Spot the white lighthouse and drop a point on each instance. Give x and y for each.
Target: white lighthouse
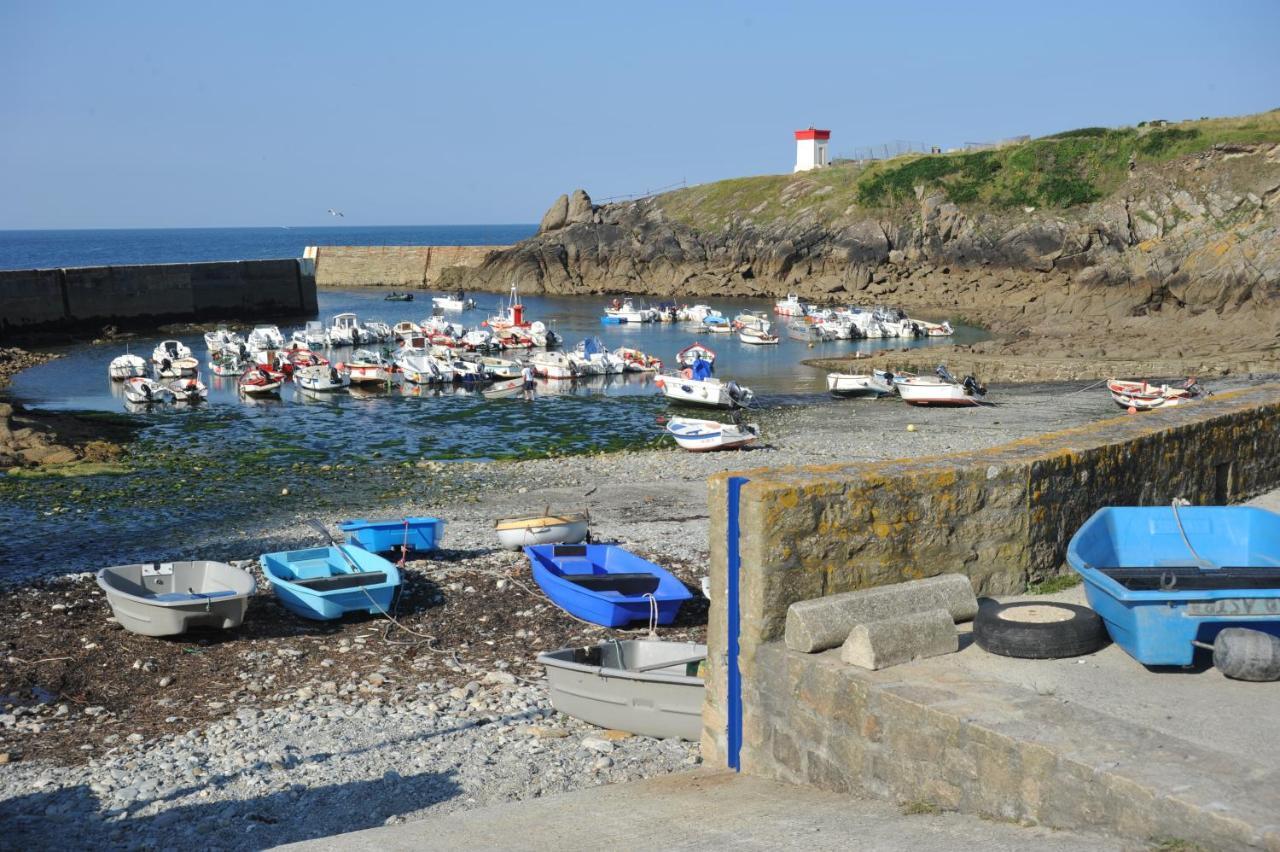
(811, 149)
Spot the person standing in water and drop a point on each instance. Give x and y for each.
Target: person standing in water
(529, 383)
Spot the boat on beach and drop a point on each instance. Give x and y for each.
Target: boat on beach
(648, 687)
(398, 535)
(701, 436)
(940, 390)
(877, 383)
(546, 528)
(171, 598)
(326, 583)
(606, 584)
(1146, 397)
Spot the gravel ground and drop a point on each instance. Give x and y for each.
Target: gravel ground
(299, 738)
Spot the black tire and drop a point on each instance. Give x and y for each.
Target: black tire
(1034, 630)
(1243, 654)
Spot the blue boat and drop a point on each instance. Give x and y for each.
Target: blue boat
(320, 584)
(605, 584)
(417, 535)
(1162, 578)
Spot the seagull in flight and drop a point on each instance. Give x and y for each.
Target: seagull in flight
(333, 212)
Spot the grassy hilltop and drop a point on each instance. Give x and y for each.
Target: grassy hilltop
(1059, 171)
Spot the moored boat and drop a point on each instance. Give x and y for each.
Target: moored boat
(940, 390)
(606, 584)
(790, 306)
(1146, 397)
(552, 365)
(456, 302)
(143, 391)
(367, 367)
(708, 391)
(126, 366)
(635, 361)
(877, 383)
(756, 336)
(546, 528)
(693, 352)
(398, 297)
(320, 378)
(189, 389)
(260, 380)
(704, 435)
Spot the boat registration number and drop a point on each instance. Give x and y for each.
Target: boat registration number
(1235, 606)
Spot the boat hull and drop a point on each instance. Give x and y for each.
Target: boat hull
(851, 385)
(937, 394)
(417, 535)
(289, 571)
(515, 533)
(170, 598)
(701, 436)
(556, 573)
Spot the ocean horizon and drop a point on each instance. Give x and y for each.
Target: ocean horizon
(54, 248)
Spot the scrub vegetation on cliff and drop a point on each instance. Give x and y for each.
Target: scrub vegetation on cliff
(1058, 171)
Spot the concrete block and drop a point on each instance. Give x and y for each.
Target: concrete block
(894, 641)
(822, 623)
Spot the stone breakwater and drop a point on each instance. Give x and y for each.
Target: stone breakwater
(1182, 262)
(406, 267)
(88, 298)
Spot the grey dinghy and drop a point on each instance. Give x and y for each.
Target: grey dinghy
(169, 598)
(646, 687)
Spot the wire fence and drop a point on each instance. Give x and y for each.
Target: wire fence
(901, 147)
(680, 184)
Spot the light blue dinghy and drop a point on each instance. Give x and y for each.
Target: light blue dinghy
(1165, 578)
(324, 583)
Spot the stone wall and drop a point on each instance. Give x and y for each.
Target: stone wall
(91, 297)
(405, 267)
(1002, 516)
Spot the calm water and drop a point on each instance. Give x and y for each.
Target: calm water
(49, 249)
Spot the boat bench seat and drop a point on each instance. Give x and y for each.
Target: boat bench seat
(172, 597)
(624, 584)
(343, 581)
(1191, 578)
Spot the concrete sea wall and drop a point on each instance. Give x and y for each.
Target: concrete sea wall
(1003, 517)
(90, 297)
(406, 267)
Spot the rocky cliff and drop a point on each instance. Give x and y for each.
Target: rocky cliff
(1185, 241)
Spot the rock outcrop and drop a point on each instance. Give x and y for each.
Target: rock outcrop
(1194, 241)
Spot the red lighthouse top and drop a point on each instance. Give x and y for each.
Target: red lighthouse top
(813, 134)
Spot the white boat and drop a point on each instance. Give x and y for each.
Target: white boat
(144, 391)
(457, 302)
(940, 390)
(697, 313)
(265, 338)
(710, 391)
(170, 350)
(512, 313)
(226, 364)
(686, 356)
(635, 361)
(377, 332)
(701, 436)
(752, 319)
(220, 338)
(171, 359)
(547, 528)
(1143, 396)
(344, 330)
(757, 337)
(313, 334)
(189, 389)
(320, 378)
(625, 310)
(552, 365)
(259, 380)
(126, 366)
(368, 368)
(501, 369)
(860, 384)
(789, 307)
(418, 366)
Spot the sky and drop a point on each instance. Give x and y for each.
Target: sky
(227, 113)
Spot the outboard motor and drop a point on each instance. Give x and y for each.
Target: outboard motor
(945, 374)
(971, 386)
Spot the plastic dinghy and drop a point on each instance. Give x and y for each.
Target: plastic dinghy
(646, 687)
(170, 598)
(605, 584)
(322, 584)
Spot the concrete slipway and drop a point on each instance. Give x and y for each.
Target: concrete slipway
(705, 810)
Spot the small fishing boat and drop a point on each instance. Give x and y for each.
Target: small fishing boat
(398, 535)
(325, 583)
(225, 364)
(757, 337)
(717, 325)
(398, 297)
(170, 598)
(1163, 578)
(376, 332)
(344, 330)
(189, 389)
(504, 388)
(709, 391)
(703, 435)
(501, 369)
(644, 686)
(260, 380)
(635, 361)
(697, 313)
(605, 584)
(694, 351)
(553, 365)
(511, 314)
(126, 367)
(320, 378)
(367, 367)
(144, 391)
(313, 334)
(457, 302)
(789, 307)
(170, 350)
(804, 332)
(940, 390)
(625, 310)
(420, 367)
(878, 383)
(265, 338)
(221, 338)
(546, 528)
(1146, 397)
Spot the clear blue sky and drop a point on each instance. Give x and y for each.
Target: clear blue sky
(266, 113)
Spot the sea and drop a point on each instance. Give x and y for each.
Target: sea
(104, 247)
